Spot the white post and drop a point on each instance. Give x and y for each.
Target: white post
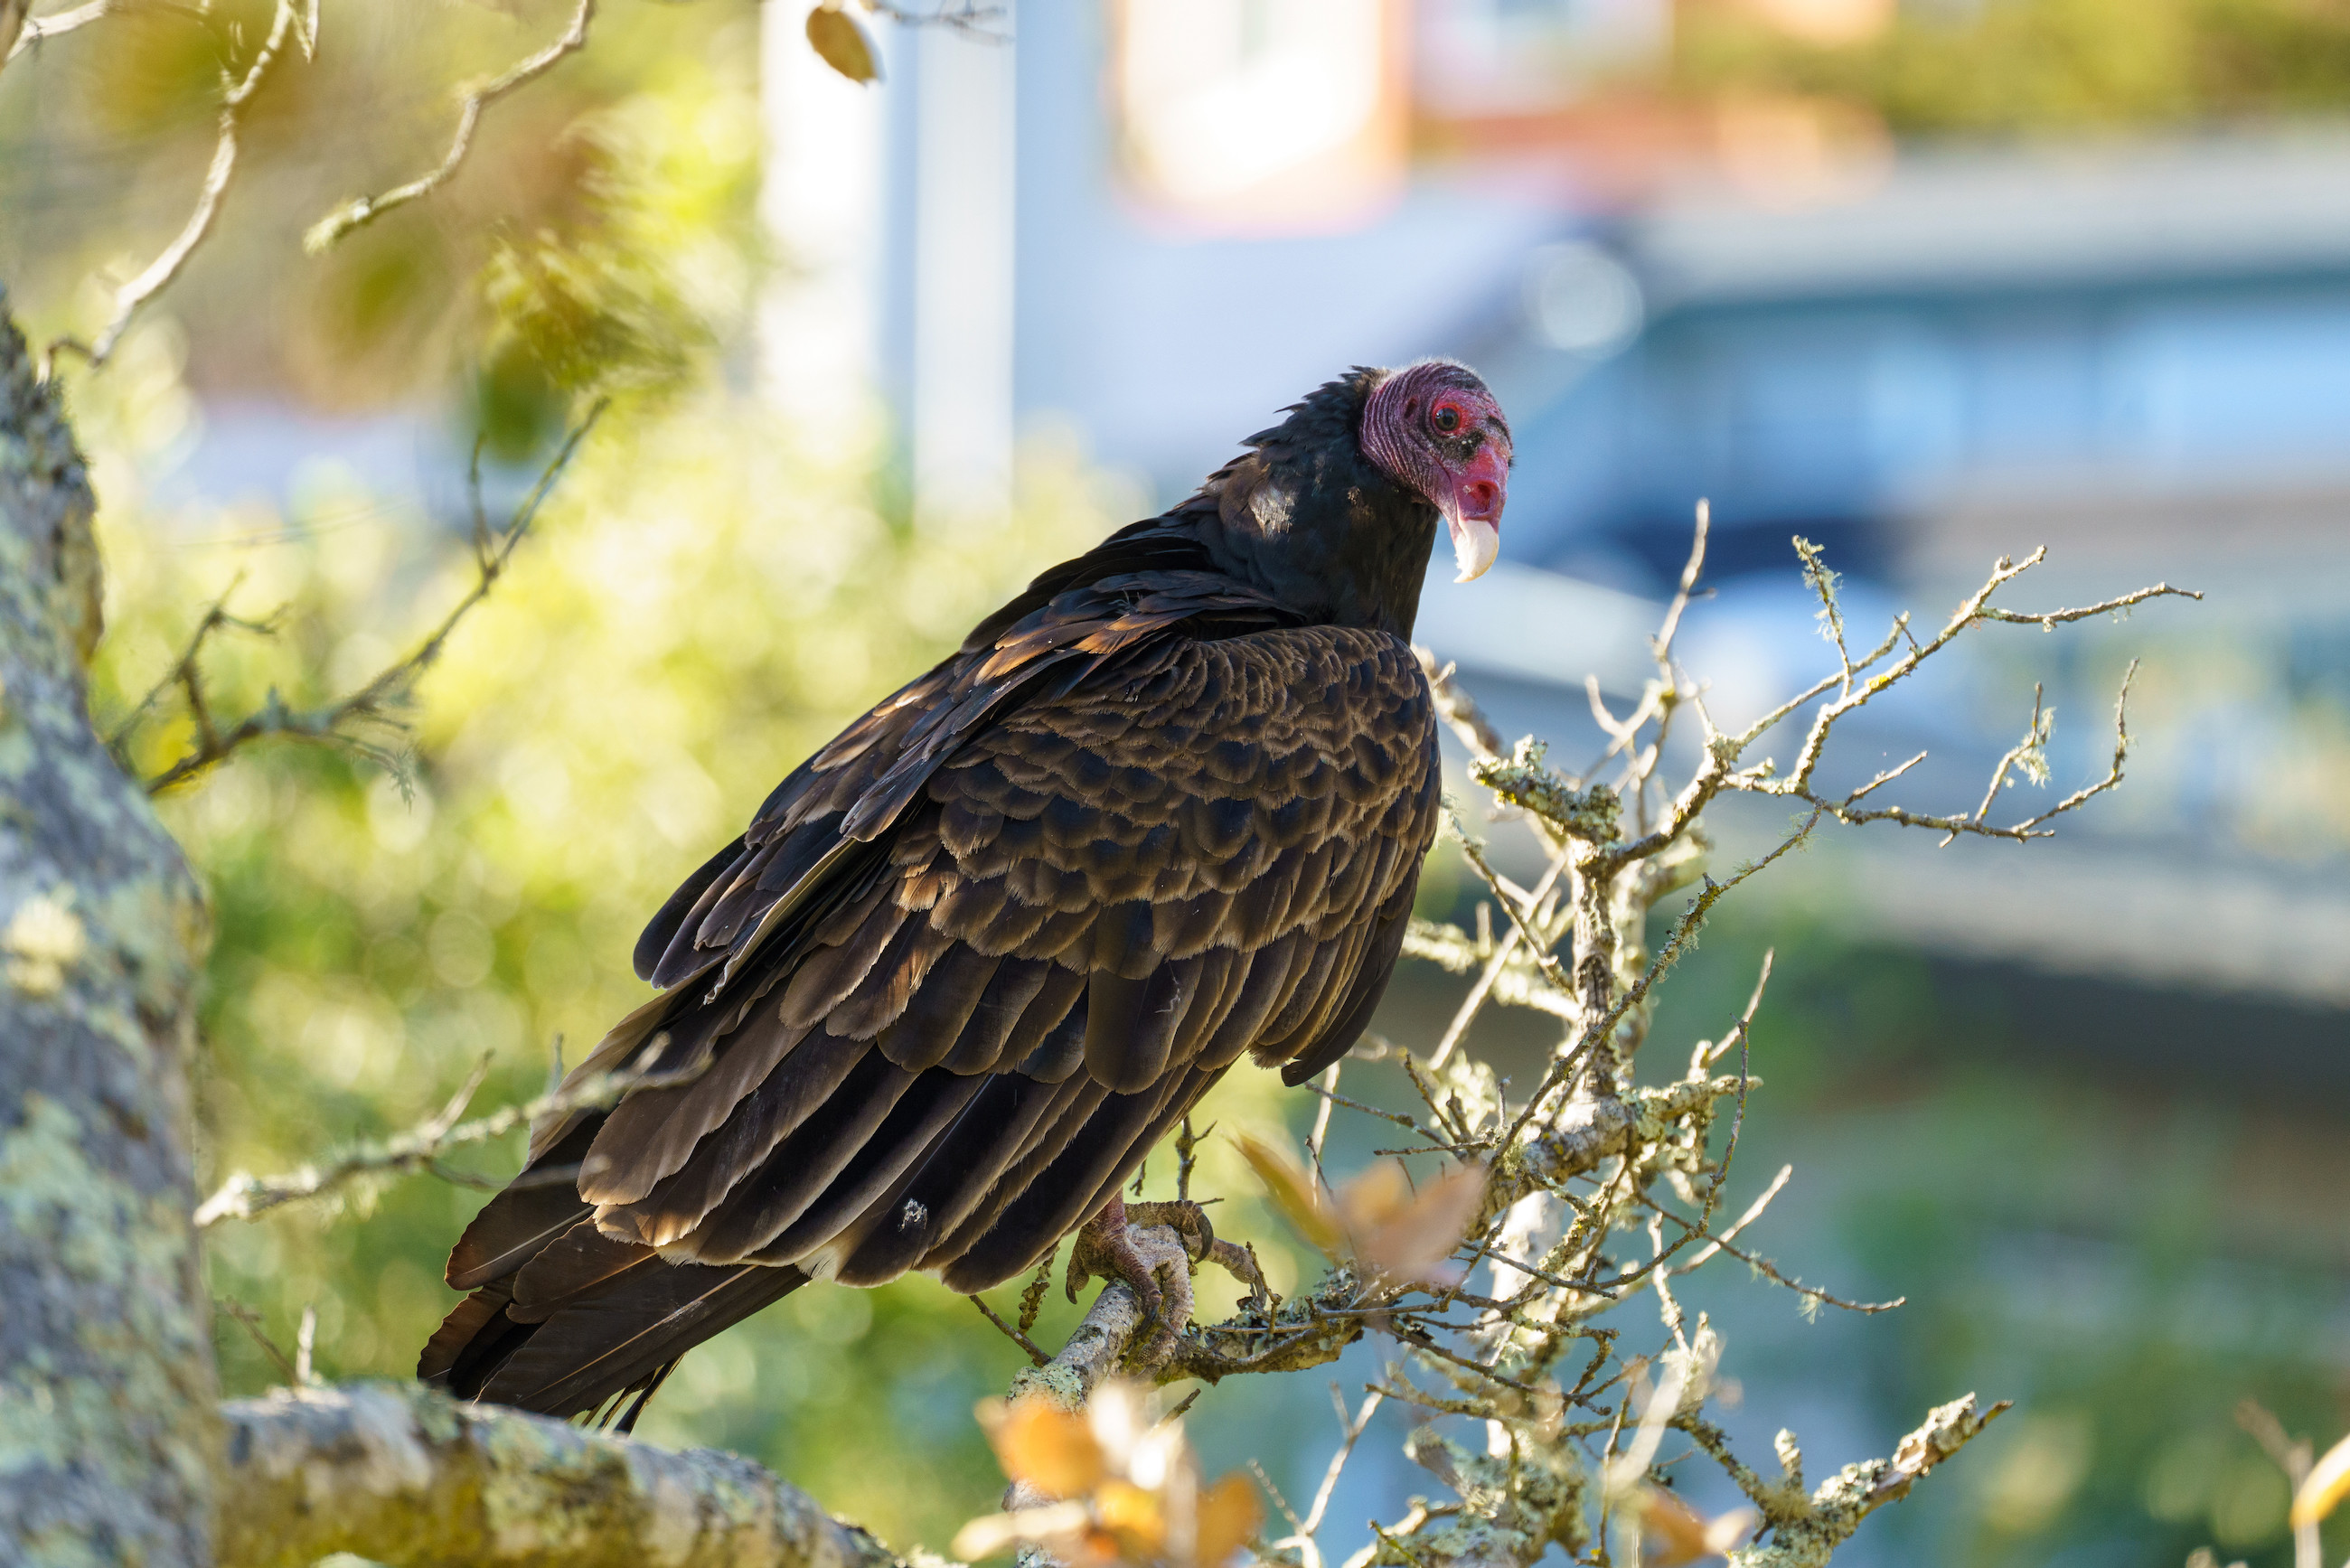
(961, 419)
(821, 201)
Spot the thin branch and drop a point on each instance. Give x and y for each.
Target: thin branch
(1765, 1266)
(1466, 1012)
(2030, 751)
(1011, 1333)
(244, 1196)
(1399, 1119)
(1459, 710)
(236, 92)
(973, 20)
(371, 702)
(33, 31)
(324, 234)
(249, 1319)
(1683, 935)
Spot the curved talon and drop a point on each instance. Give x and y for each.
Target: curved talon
(1240, 1262)
(1106, 1249)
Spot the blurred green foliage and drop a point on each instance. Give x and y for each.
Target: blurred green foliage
(2041, 66)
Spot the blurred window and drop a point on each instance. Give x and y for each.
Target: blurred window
(1261, 116)
(1480, 59)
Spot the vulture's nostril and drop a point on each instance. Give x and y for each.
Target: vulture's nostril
(1480, 500)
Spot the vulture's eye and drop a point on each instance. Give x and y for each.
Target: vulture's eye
(1447, 419)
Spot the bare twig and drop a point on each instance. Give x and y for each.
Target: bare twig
(969, 18)
(2294, 1456)
(243, 1195)
(249, 1319)
(326, 231)
(1011, 1333)
(19, 32)
(237, 93)
(1764, 1265)
(376, 700)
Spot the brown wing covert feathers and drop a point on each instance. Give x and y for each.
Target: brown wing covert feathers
(1087, 887)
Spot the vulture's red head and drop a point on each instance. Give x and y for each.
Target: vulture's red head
(1334, 511)
(1434, 429)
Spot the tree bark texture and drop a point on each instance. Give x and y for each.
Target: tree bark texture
(411, 1478)
(108, 1420)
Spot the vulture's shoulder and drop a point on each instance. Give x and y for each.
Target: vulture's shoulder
(1077, 627)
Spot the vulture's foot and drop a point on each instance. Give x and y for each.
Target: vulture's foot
(1112, 1245)
(1190, 1221)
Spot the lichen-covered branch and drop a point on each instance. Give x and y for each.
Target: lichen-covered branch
(408, 1477)
(106, 1422)
(1804, 1532)
(1589, 1154)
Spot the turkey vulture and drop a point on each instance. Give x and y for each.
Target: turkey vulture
(973, 958)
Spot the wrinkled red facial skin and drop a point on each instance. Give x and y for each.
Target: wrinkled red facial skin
(1462, 470)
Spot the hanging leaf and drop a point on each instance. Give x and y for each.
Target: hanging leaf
(842, 41)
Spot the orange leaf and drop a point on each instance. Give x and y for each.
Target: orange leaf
(1134, 1517)
(1673, 1533)
(843, 43)
(1411, 1241)
(1293, 1192)
(1038, 1442)
(1229, 1514)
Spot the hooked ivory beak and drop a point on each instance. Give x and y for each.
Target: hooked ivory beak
(1474, 511)
(1475, 543)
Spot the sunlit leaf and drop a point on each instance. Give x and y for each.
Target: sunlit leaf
(1411, 1239)
(843, 42)
(1038, 1442)
(2328, 1484)
(1293, 1192)
(1133, 1517)
(1229, 1514)
(1673, 1533)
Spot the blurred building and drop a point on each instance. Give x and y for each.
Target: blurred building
(1156, 221)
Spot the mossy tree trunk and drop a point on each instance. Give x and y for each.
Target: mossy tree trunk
(109, 1419)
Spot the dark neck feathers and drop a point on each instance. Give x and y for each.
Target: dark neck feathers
(1304, 517)
(1307, 518)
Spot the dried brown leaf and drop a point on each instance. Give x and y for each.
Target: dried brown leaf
(843, 42)
(1672, 1533)
(1411, 1240)
(1133, 1518)
(1293, 1192)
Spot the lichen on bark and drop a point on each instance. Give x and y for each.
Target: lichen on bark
(108, 1420)
(411, 1478)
